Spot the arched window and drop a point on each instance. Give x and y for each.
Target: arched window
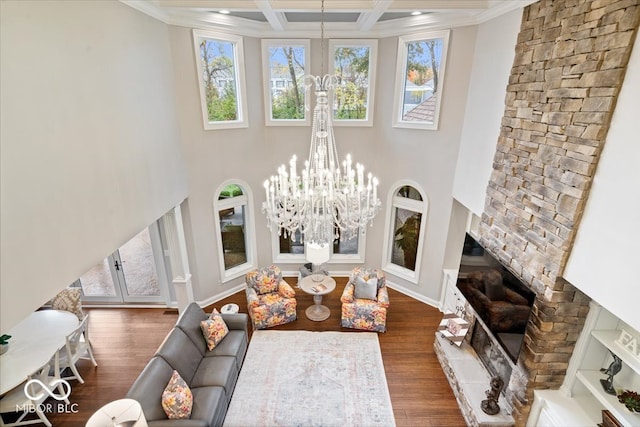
(406, 221)
(234, 225)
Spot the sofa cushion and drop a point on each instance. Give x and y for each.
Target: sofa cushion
(234, 345)
(366, 289)
(147, 388)
(214, 329)
(189, 322)
(210, 404)
(218, 371)
(177, 400)
(181, 353)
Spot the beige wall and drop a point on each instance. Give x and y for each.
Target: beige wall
(253, 154)
(90, 152)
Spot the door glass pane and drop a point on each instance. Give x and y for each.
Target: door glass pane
(405, 238)
(138, 266)
(98, 281)
(232, 226)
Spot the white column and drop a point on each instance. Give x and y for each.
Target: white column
(177, 247)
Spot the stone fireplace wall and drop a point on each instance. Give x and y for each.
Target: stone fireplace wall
(570, 62)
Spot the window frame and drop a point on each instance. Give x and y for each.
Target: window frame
(401, 72)
(239, 74)
(246, 200)
(288, 258)
(266, 78)
(372, 44)
(419, 206)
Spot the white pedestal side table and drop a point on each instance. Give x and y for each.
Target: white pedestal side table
(317, 312)
(229, 308)
(123, 412)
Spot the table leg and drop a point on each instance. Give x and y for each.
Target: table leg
(317, 312)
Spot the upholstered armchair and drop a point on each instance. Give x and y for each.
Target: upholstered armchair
(270, 299)
(365, 301)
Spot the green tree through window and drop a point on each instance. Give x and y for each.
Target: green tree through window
(218, 72)
(351, 96)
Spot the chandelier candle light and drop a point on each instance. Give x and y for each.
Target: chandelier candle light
(324, 202)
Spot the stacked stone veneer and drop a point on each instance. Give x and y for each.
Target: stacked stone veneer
(570, 62)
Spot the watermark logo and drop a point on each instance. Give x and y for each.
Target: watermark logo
(50, 390)
(46, 390)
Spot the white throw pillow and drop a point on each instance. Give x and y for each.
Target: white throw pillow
(366, 289)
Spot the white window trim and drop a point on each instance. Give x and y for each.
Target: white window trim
(401, 72)
(422, 207)
(250, 242)
(266, 78)
(373, 61)
(280, 258)
(241, 91)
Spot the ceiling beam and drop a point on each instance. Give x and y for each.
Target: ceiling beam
(369, 19)
(276, 19)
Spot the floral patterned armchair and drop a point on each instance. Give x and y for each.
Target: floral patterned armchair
(365, 300)
(270, 299)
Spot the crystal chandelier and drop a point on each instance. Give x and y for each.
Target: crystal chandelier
(325, 201)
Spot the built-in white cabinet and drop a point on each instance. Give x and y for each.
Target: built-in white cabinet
(453, 300)
(582, 398)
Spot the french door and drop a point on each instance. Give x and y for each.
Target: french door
(132, 274)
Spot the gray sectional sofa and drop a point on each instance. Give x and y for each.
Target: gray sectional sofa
(211, 375)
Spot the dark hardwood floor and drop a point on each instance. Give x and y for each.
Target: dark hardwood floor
(125, 339)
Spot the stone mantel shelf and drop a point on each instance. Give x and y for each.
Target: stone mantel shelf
(469, 381)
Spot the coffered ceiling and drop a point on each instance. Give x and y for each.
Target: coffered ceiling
(342, 18)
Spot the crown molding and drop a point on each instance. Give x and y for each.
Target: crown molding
(367, 27)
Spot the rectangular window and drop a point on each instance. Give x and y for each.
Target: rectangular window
(220, 66)
(419, 79)
(353, 62)
(285, 64)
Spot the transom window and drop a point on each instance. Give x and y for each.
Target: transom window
(419, 79)
(285, 63)
(353, 62)
(220, 66)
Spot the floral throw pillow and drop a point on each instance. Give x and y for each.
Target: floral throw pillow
(177, 399)
(214, 329)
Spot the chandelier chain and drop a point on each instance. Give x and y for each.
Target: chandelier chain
(325, 202)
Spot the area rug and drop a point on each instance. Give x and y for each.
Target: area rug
(303, 378)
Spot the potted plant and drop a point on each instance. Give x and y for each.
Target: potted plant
(406, 238)
(4, 343)
(630, 399)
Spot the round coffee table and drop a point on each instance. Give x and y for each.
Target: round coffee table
(317, 312)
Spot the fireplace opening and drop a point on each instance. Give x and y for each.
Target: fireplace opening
(490, 354)
(501, 300)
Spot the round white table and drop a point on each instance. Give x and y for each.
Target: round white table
(33, 342)
(317, 312)
(229, 308)
(122, 412)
